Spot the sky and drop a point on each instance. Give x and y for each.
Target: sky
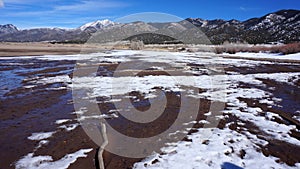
(73, 13)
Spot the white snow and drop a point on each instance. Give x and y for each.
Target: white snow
(45, 162)
(40, 136)
(295, 56)
(216, 151)
(69, 127)
(81, 111)
(273, 129)
(61, 121)
(271, 116)
(217, 84)
(41, 143)
(102, 116)
(108, 86)
(56, 79)
(97, 24)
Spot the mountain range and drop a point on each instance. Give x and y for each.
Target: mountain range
(281, 26)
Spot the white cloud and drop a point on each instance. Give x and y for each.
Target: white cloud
(1, 4)
(28, 14)
(89, 5)
(247, 9)
(26, 1)
(19, 1)
(243, 8)
(59, 14)
(79, 6)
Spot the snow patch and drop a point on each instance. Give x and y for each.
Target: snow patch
(295, 56)
(61, 121)
(40, 136)
(223, 146)
(69, 127)
(45, 162)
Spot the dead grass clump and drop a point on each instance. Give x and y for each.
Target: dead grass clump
(283, 49)
(287, 49)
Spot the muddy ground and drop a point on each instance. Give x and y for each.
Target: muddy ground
(28, 110)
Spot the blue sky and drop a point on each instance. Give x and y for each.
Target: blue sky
(73, 13)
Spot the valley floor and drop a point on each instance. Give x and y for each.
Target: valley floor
(230, 111)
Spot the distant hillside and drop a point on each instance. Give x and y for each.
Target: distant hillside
(282, 26)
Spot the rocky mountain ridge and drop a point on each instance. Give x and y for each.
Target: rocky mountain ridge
(281, 26)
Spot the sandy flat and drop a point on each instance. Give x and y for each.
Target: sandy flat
(43, 48)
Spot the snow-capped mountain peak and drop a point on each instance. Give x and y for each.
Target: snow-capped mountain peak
(99, 24)
(8, 28)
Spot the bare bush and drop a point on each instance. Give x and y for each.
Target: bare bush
(234, 48)
(288, 49)
(220, 50)
(137, 45)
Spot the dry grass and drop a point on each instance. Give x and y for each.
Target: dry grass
(283, 49)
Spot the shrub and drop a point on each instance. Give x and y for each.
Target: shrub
(290, 48)
(231, 50)
(137, 45)
(219, 50)
(283, 49)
